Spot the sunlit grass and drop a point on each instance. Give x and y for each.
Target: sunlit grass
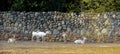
(79, 49)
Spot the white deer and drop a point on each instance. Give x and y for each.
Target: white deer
(12, 40)
(39, 34)
(79, 41)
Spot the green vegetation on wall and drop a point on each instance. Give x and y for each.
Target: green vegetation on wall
(61, 5)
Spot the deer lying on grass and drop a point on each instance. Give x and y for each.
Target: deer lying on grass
(79, 41)
(12, 40)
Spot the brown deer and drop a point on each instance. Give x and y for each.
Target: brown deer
(64, 35)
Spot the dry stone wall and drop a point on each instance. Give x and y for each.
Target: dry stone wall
(82, 24)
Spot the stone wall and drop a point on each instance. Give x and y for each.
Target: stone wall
(83, 24)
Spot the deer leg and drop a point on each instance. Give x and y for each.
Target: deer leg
(37, 39)
(32, 38)
(42, 39)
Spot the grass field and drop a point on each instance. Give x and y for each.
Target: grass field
(28, 47)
